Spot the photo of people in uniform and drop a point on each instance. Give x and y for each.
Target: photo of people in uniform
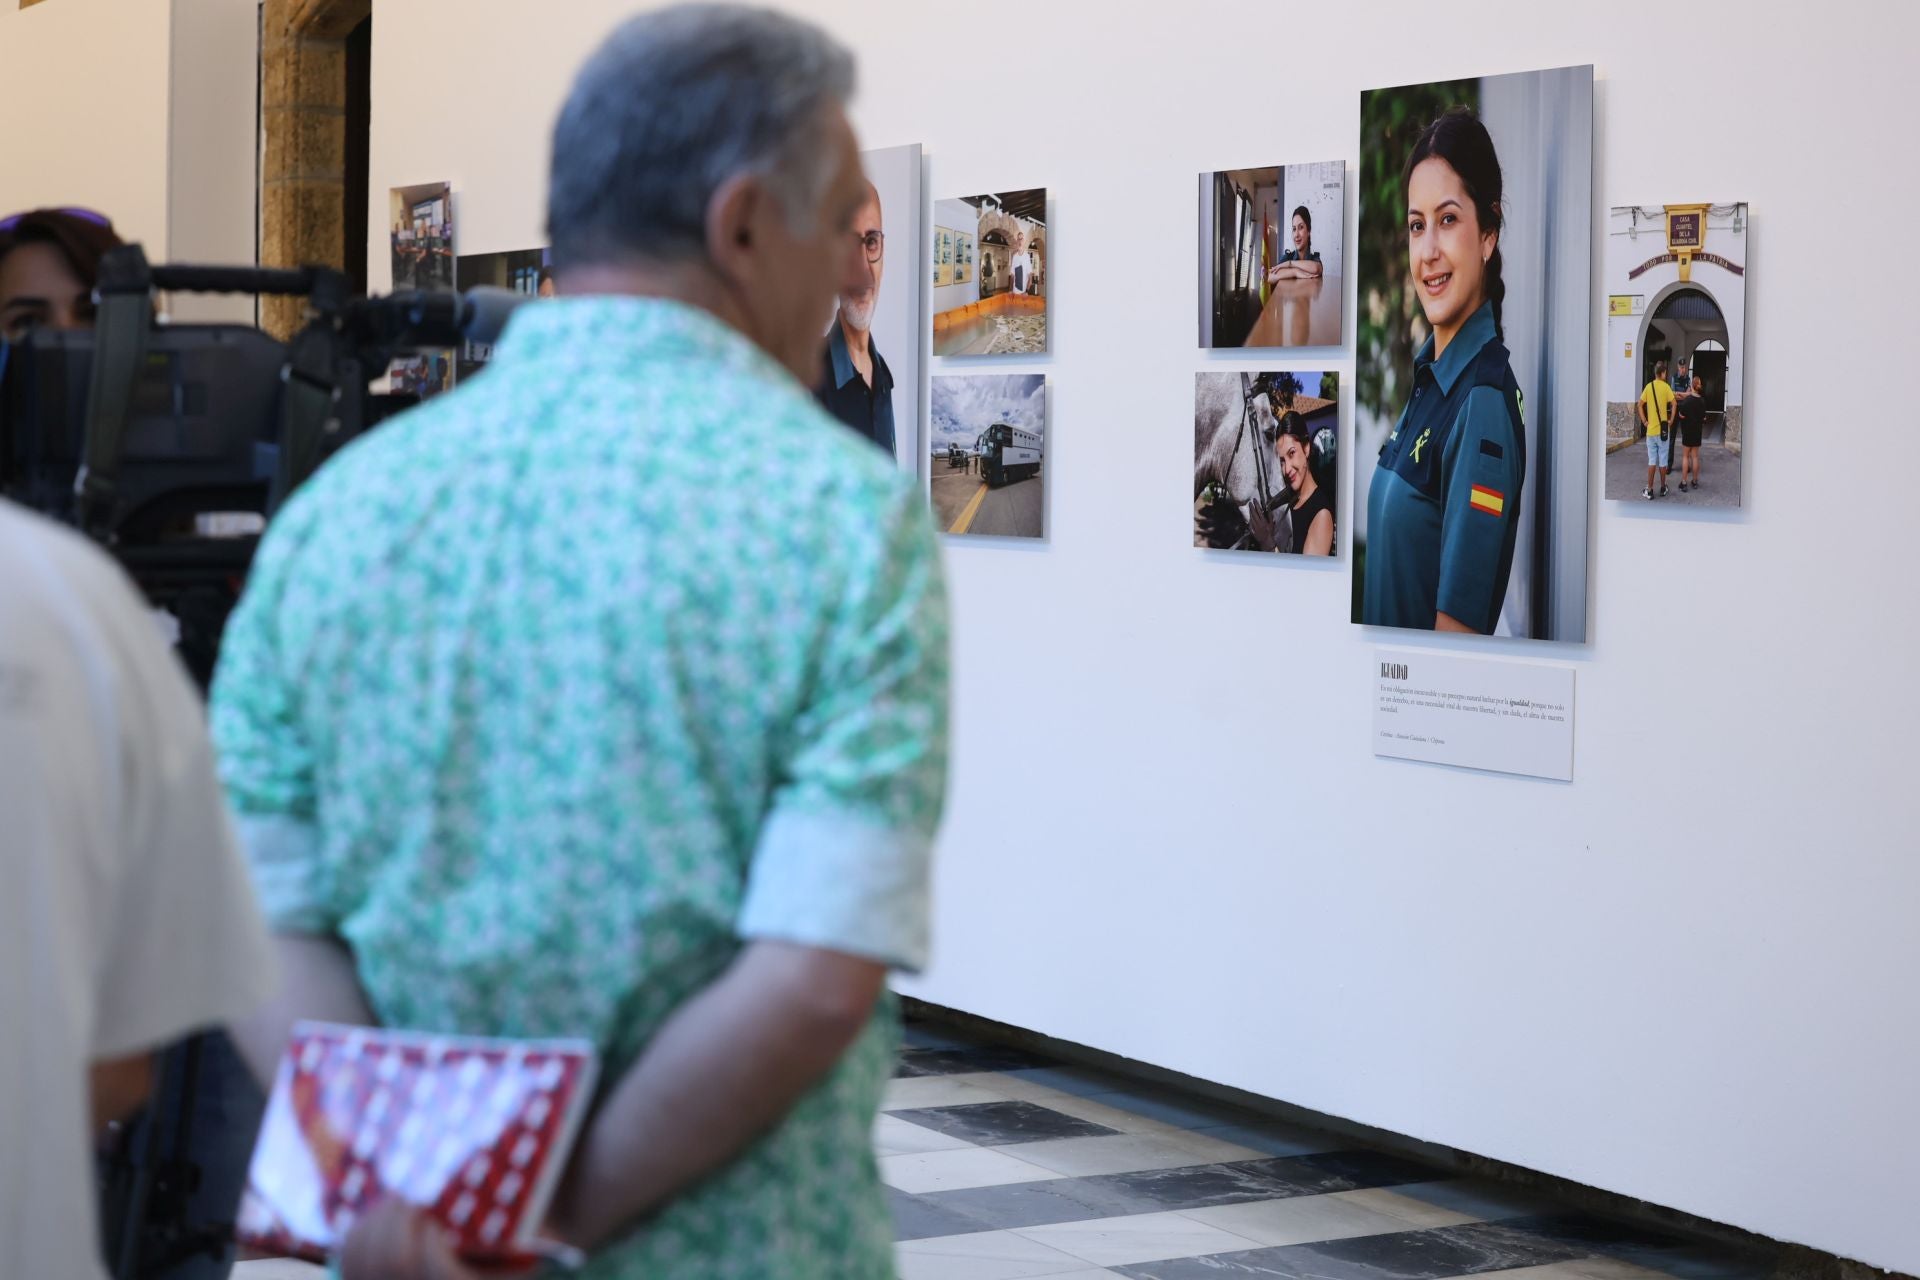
(989, 444)
(1471, 417)
(1676, 318)
(1265, 449)
(524, 271)
(1271, 256)
(422, 236)
(1000, 308)
(870, 369)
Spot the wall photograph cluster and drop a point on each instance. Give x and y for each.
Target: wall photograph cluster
(992, 258)
(1468, 407)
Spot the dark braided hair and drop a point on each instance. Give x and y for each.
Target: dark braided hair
(1292, 424)
(1459, 138)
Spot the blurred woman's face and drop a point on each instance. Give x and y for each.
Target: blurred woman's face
(38, 288)
(1301, 234)
(1447, 251)
(1293, 463)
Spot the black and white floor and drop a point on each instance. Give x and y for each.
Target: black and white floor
(1002, 1167)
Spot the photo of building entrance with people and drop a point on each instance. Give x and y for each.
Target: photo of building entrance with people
(1677, 297)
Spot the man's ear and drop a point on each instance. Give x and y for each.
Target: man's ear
(734, 216)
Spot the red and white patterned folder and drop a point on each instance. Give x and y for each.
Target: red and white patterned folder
(475, 1131)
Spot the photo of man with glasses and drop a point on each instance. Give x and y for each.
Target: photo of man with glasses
(856, 386)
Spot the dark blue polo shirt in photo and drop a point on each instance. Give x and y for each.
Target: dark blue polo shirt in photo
(1444, 506)
(845, 395)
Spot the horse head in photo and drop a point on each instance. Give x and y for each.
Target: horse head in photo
(1235, 422)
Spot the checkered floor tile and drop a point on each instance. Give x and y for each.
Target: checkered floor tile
(1002, 1165)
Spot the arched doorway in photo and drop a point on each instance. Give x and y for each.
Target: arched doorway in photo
(995, 252)
(1686, 327)
(1687, 324)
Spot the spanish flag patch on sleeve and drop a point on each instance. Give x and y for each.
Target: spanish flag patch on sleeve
(1491, 501)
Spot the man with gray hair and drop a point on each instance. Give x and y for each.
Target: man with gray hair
(607, 696)
(855, 385)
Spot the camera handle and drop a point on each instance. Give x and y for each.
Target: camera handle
(120, 347)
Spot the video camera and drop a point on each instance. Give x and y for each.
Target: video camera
(173, 445)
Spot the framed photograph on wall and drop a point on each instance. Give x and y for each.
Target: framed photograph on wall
(989, 438)
(421, 218)
(1002, 308)
(1471, 423)
(421, 239)
(1266, 449)
(1675, 355)
(870, 376)
(1272, 255)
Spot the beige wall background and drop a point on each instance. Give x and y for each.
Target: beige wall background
(144, 111)
(96, 77)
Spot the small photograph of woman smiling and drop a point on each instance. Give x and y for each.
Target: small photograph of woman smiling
(1271, 255)
(1265, 453)
(1472, 412)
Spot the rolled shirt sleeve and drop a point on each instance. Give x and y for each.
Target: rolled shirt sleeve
(843, 857)
(1482, 501)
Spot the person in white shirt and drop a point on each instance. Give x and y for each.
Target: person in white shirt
(1022, 264)
(129, 919)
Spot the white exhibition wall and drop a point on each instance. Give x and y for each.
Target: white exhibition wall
(1687, 975)
(145, 111)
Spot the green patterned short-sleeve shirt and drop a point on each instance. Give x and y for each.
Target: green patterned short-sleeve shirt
(548, 696)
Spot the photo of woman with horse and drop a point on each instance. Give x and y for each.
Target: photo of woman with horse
(1263, 461)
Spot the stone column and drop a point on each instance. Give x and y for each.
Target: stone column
(303, 69)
